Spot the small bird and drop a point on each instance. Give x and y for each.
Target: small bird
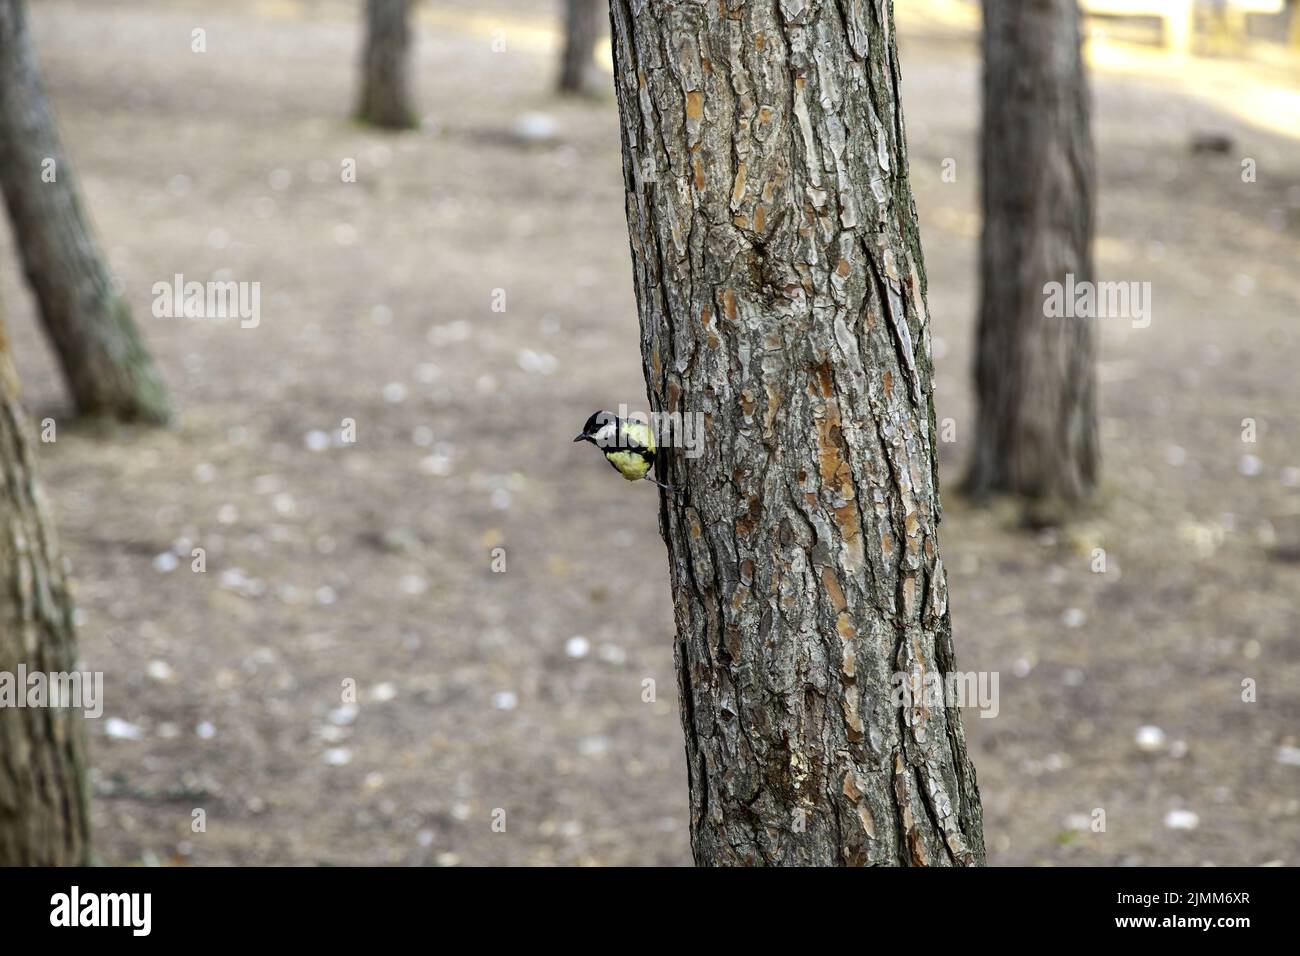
(629, 446)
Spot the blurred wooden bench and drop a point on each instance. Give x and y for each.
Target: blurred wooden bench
(1179, 16)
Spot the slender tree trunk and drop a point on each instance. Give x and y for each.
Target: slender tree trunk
(43, 815)
(781, 291)
(385, 66)
(582, 20)
(108, 369)
(1035, 372)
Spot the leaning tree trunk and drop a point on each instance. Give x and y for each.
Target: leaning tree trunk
(108, 369)
(43, 815)
(1035, 371)
(385, 88)
(582, 20)
(781, 291)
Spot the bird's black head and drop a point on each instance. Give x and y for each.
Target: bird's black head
(592, 430)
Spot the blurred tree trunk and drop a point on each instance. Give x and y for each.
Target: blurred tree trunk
(108, 369)
(385, 87)
(781, 292)
(1035, 375)
(43, 813)
(582, 20)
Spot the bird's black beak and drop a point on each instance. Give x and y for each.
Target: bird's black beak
(580, 438)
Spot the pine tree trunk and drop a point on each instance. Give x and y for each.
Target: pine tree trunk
(582, 20)
(43, 813)
(1035, 375)
(385, 66)
(108, 369)
(781, 292)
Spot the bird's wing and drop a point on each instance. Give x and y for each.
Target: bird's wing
(638, 435)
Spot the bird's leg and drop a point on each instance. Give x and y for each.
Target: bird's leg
(671, 488)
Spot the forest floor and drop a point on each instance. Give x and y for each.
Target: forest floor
(522, 691)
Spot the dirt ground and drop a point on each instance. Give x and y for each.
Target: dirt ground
(522, 691)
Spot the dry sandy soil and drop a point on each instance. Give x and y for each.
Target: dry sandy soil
(522, 690)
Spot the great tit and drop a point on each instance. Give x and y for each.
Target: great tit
(629, 446)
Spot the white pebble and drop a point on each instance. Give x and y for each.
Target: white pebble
(1150, 738)
(538, 363)
(1288, 755)
(343, 715)
(535, 127)
(338, 756)
(1181, 820)
(159, 670)
(120, 729)
(439, 463)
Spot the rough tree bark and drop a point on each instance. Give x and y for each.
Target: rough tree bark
(385, 87)
(582, 20)
(43, 812)
(781, 292)
(108, 369)
(1035, 375)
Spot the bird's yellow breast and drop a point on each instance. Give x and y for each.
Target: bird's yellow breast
(630, 464)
